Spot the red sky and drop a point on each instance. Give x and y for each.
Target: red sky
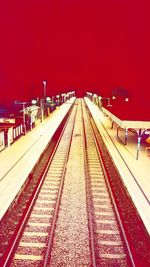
(74, 45)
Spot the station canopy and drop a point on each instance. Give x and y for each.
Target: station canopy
(127, 121)
(129, 115)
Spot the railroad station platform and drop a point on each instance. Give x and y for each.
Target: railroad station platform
(135, 173)
(18, 160)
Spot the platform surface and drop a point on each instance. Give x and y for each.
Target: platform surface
(18, 160)
(135, 173)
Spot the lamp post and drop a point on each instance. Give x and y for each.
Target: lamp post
(107, 98)
(124, 98)
(62, 100)
(41, 107)
(24, 120)
(44, 84)
(42, 101)
(52, 103)
(58, 96)
(48, 99)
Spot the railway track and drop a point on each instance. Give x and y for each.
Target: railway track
(72, 219)
(109, 246)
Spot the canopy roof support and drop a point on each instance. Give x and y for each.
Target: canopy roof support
(138, 143)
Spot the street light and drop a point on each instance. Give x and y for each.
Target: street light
(48, 99)
(44, 83)
(52, 103)
(41, 107)
(33, 101)
(107, 98)
(24, 120)
(58, 96)
(62, 100)
(124, 98)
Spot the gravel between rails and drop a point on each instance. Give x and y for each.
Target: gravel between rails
(71, 241)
